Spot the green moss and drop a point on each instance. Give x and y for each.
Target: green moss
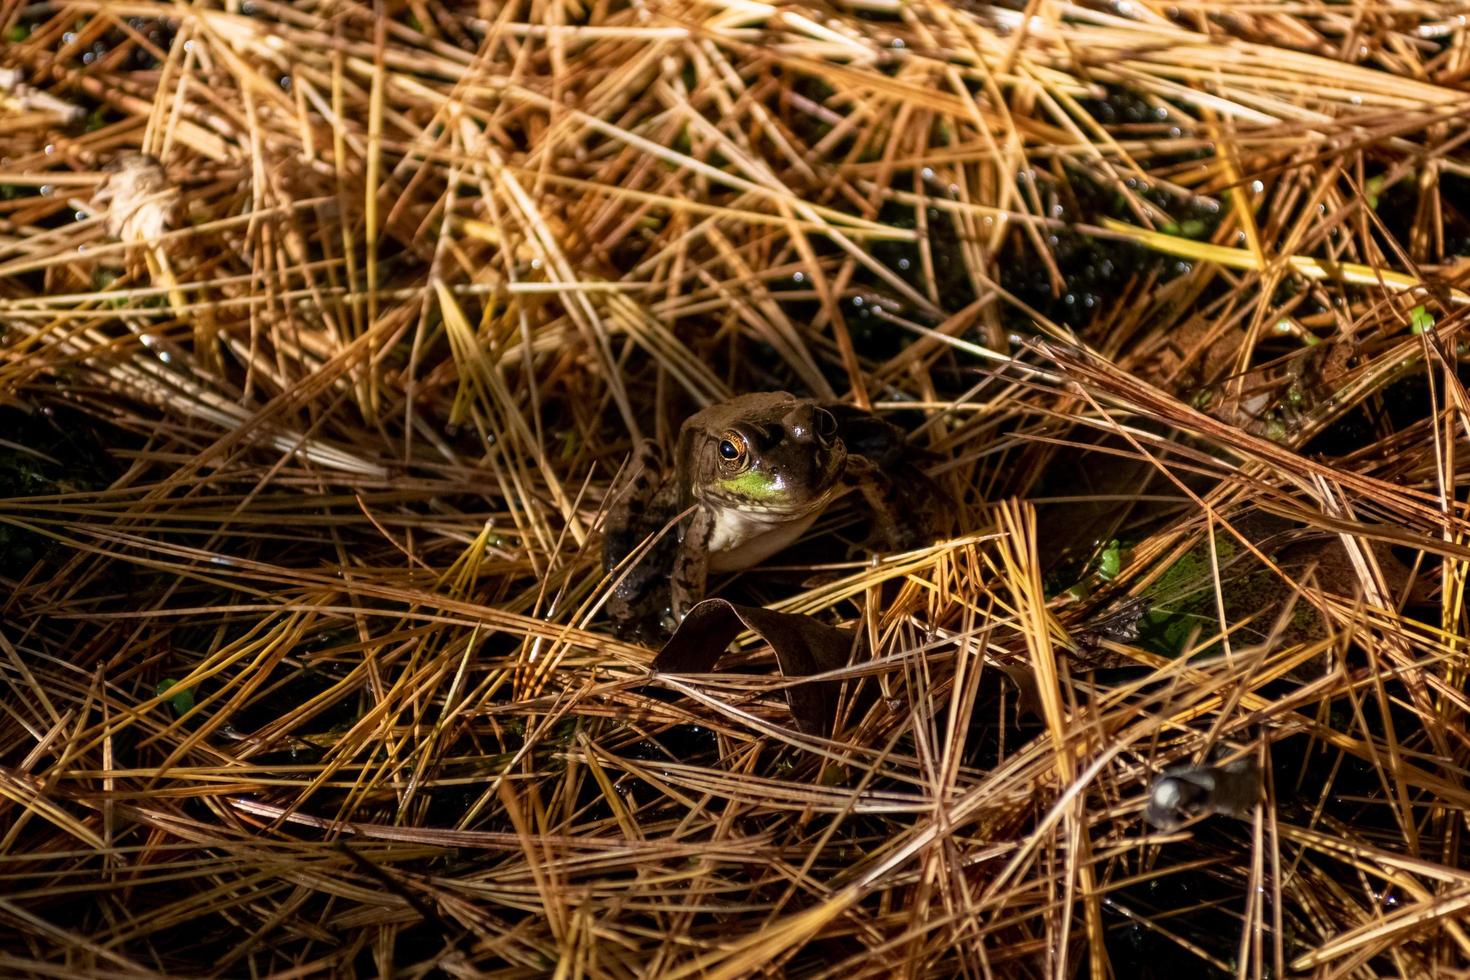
(182, 699)
(1184, 598)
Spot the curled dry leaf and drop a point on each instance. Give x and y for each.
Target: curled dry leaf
(803, 647)
(140, 202)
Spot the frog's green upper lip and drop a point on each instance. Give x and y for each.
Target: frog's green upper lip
(785, 503)
(783, 507)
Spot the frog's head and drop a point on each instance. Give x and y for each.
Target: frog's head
(768, 452)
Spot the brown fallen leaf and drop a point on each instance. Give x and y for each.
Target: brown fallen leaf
(803, 647)
(142, 204)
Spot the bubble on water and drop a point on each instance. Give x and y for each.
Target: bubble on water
(898, 42)
(904, 264)
(68, 37)
(798, 277)
(857, 301)
(927, 173)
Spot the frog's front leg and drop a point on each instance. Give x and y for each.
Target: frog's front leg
(899, 530)
(644, 502)
(691, 566)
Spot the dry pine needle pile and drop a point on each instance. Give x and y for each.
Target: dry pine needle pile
(326, 326)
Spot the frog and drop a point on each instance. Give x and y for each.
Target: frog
(750, 476)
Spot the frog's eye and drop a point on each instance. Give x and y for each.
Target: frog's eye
(826, 426)
(732, 447)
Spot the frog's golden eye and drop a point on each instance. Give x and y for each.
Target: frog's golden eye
(732, 447)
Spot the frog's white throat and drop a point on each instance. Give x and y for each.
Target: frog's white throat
(743, 538)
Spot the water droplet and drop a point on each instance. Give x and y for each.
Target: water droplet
(898, 42)
(188, 45)
(79, 216)
(165, 356)
(68, 37)
(535, 263)
(50, 148)
(1257, 186)
(285, 83)
(927, 173)
(47, 190)
(857, 301)
(904, 264)
(88, 58)
(148, 339)
(798, 277)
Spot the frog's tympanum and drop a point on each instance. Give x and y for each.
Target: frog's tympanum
(750, 476)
